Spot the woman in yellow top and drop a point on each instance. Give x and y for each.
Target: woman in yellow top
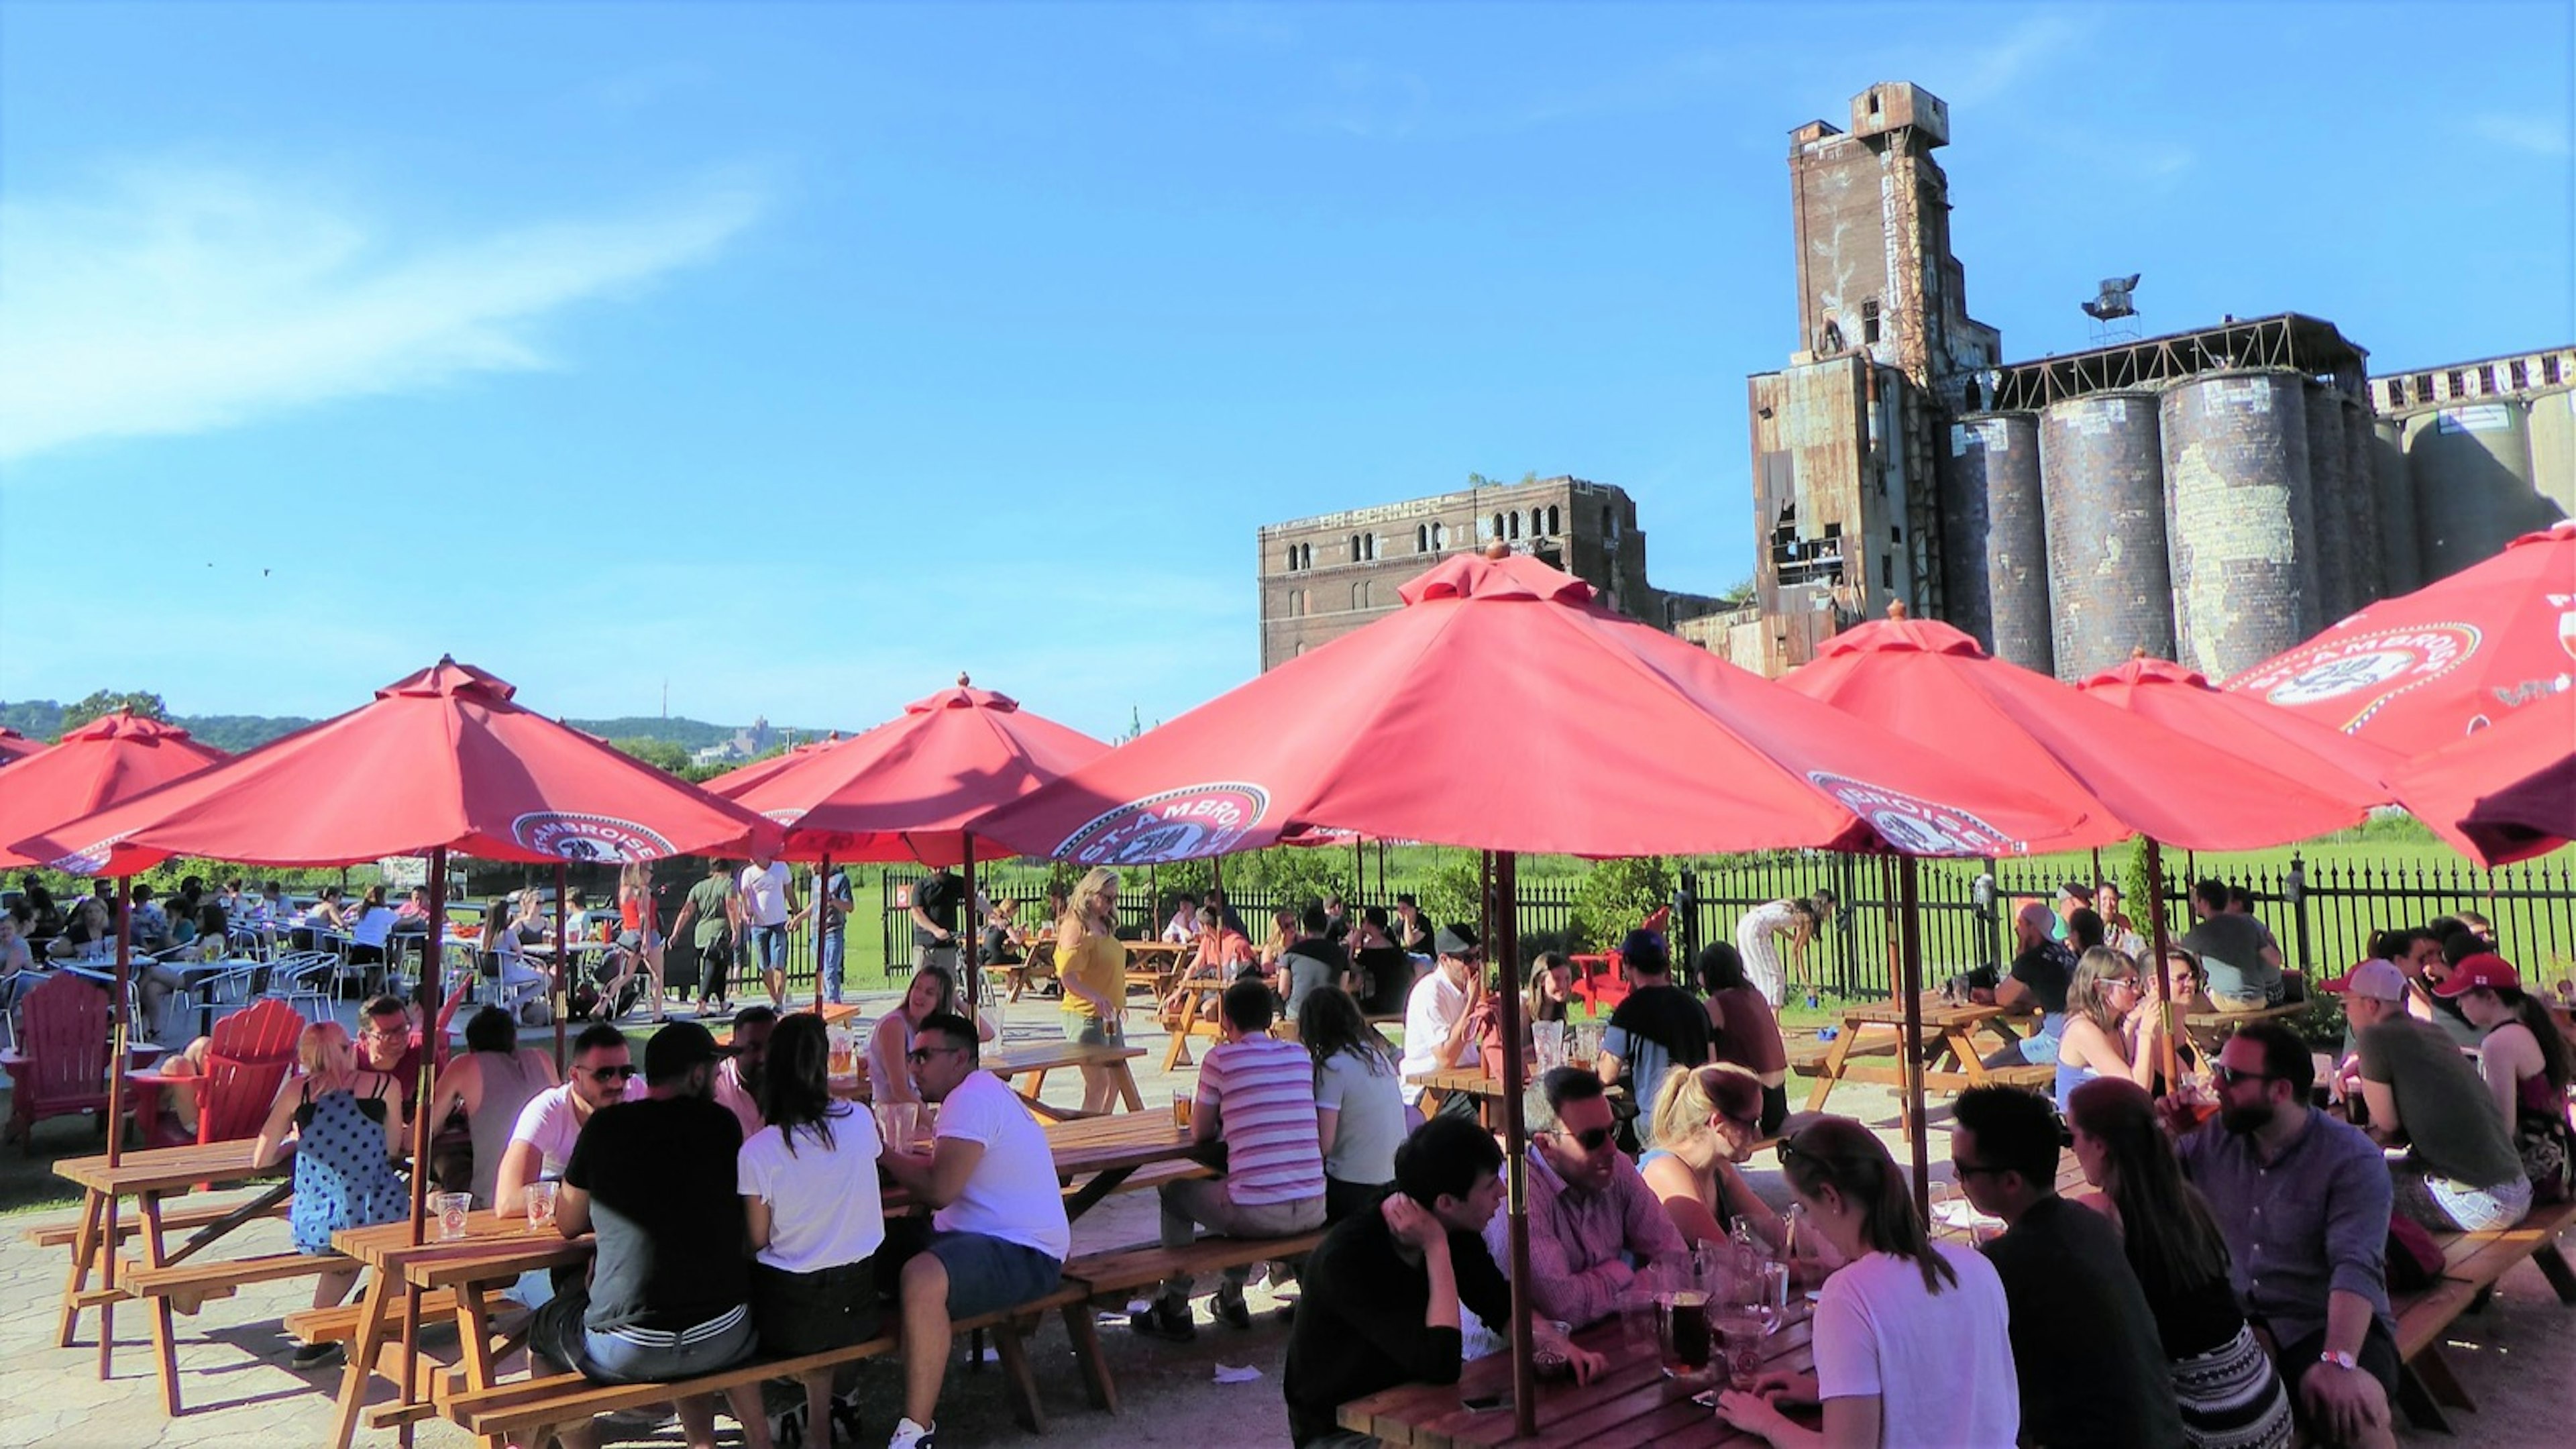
(1091, 962)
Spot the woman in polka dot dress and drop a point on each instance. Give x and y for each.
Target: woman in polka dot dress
(346, 1123)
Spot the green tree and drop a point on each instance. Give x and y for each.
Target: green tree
(1616, 895)
(667, 755)
(108, 701)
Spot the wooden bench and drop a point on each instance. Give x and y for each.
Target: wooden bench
(526, 1411)
(340, 1325)
(65, 1232)
(1807, 1055)
(1123, 1270)
(2472, 1264)
(187, 1286)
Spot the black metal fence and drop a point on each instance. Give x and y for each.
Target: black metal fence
(2324, 914)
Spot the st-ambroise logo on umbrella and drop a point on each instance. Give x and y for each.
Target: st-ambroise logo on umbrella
(574, 835)
(89, 859)
(1182, 824)
(1913, 824)
(2377, 666)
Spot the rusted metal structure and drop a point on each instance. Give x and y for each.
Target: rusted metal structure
(2242, 537)
(1994, 531)
(2294, 343)
(2101, 468)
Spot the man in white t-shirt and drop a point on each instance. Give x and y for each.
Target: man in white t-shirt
(768, 900)
(603, 1072)
(1436, 1031)
(999, 1234)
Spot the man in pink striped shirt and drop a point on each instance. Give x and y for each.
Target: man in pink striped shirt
(1257, 1096)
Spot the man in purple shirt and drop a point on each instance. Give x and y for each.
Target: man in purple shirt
(2303, 1200)
(1593, 1222)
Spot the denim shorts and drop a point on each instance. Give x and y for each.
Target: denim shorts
(769, 947)
(988, 1273)
(1094, 1030)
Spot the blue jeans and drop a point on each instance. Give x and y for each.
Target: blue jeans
(769, 947)
(833, 944)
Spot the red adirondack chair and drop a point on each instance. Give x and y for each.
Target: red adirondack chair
(248, 1056)
(1601, 980)
(60, 1064)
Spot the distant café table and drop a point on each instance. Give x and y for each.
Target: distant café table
(1629, 1403)
(1953, 1055)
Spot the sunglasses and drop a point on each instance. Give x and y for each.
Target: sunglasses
(919, 1055)
(2227, 1076)
(1591, 1139)
(611, 1074)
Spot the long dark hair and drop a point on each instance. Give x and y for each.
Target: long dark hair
(1329, 1023)
(2535, 1018)
(1721, 968)
(2172, 1239)
(796, 1085)
(1842, 1152)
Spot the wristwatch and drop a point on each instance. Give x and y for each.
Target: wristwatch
(2339, 1360)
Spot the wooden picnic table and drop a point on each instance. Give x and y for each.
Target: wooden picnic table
(1036, 1059)
(472, 1272)
(150, 1176)
(1629, 1404)
(1951, 1057)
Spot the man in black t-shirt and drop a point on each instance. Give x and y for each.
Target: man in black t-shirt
(1657, 1027)
(670, 1287)
(2089, 1359)
(2041, 971)
(1383, 1290)
(935, 899)
(1313, 961)
(1413, 929)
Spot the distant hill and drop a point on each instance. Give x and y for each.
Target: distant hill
(42, 719)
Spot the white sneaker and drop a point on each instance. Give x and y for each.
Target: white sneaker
(909, 1435)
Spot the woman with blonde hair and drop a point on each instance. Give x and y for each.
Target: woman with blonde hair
(639, 936)
(1091, 963)
(1706, 1122)
(347, 1124)
(2105, 1034)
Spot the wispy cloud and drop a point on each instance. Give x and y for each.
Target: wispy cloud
(180, 302)
(2535, 133)
(1982, 72)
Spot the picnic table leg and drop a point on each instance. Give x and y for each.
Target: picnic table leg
(84, 1257)
(1832, 1070)
(1963, 1045)
(373, 1315)
(1127, 1092)
(147, 1210)
(474, 1341)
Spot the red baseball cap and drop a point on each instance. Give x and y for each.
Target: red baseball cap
(2485, 969)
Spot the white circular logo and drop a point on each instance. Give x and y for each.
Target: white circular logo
(1913, 824)
(573, 835)
(1182, 824)
(2367, 669)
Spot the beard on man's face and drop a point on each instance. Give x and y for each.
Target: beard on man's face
(2248, 1119)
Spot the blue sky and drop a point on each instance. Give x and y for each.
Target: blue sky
(804, 355)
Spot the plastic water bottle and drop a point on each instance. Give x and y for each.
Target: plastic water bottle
(1793, 1230)
(1748, 1252)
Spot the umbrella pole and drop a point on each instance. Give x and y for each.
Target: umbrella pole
(2164, 972)
(971, 975)
(116, 1049)
(1504, 939)
(822, 921)
(563, 965)
(1911, 928)
(433, 957)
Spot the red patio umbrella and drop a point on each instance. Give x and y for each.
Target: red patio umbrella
(1503, 710)
(2415, 673)
(908, 789)
(2506, 793)
(1921, 675)
(734, 781)
(114, 757)
(2183, 700)
(442, 760)
(15, 746)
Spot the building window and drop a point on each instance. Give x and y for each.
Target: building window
(2549, 370)
(1422, 538)
(1605, 522)
(1895, 534)
(1498, 525)
(2486, 379)
(1555, 520)
(1869, 321)
(1975, 398)
(1360, 594)
(2520, 372)
(1516, 523)
(1439, 537)
(2459, 384)
(1292, 557)
(2397, 392)
(2423, 387)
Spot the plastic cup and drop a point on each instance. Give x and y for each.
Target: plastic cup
(925, 1122)
(451, 1208)
(1739, 1339)
(541, 1205)
(897, 1120)
(1180, 1109)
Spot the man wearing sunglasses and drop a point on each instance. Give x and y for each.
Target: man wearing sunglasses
(998, 1233)
(1593, 1222)
(1440, 1017)
(2303, 1200)
(603, 1071)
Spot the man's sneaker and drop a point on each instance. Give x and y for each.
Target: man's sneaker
(1228, 1307)
(315, 1355)
(787, 1428)
(1165, 1320)
(845, 1416)
(909, 1435)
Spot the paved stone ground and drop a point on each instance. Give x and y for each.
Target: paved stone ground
(2518, 1357)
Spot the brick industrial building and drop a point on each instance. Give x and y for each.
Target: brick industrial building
(1324, 576)
(2215, 495)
